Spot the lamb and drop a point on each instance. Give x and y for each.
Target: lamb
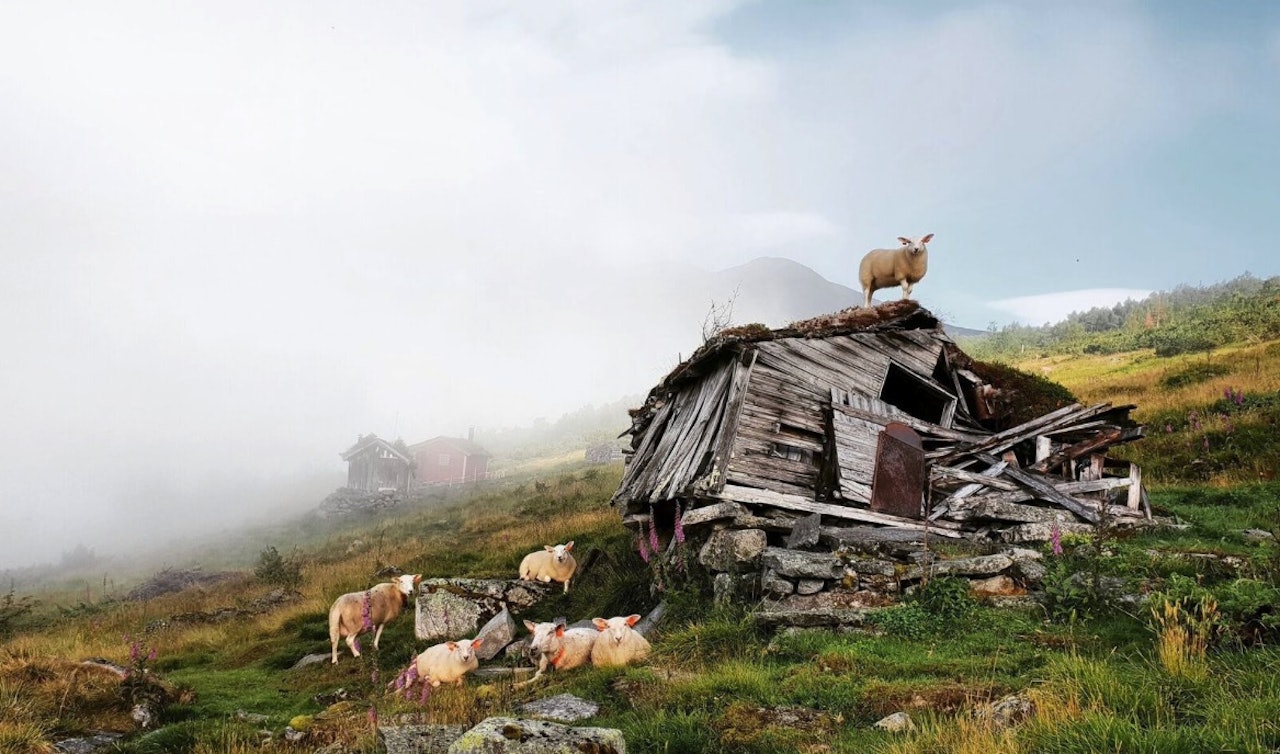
(618, 643)
(885, 268)
(550, 564)
(448, 662)
(354, 613)
(561, 648)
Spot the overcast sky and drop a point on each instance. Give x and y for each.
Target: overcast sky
(237, 234)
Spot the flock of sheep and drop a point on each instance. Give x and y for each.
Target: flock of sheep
(610, 643)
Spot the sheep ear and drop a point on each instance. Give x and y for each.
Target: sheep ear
(530, 625)
(559, 630)
(417, 579)
(475, 643)
(601, 623)
(452, 645)
(569, 546)
(633, 619)
(927, 238)
(904, 240)
(548, 548)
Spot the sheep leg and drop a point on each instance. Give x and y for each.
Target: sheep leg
(377, 635)
(906, 289)
(867, 296)
(542, 667)
(351, 642)
(544, 579)
(335, 651)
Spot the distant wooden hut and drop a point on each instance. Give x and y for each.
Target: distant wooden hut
(375, 465)
(449, 460)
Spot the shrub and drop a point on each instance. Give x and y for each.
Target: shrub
(273, 568)
(12, 608)
(1194, 374)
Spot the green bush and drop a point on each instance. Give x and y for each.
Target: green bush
(1194, 374)
(277, 570)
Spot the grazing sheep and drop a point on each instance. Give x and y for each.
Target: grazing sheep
(448, 662)
(353, 614)
(561, 648)
(550, 564)
(885, 268)
(618, 643)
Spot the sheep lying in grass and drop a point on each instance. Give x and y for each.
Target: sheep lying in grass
(448, 662)
(561, 648)
(357, 612)
(618, 643)
(885, 268)
(550, 564)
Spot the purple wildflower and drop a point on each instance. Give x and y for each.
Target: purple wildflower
(426, 693)
(641, 545)
(355, 644)
(1055, 539)
(373, 677)
(653, 535)
(373, 716)
(366, 610)
(152, 654)
(1168, 429)
(135, 651)
(679, 526)
(1206, 442)
(1239, 397)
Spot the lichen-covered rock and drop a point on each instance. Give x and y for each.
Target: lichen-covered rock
(803, 565)
(444, 616)
(996, 586)
(419, 739)
(809, 586)
(735, 587)
(896, 723)
(805, 532)
(733, 550)
(508, 735)
(563, 708)
(496, 635)
(774, 585)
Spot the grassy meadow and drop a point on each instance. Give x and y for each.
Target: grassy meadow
(1164, 641)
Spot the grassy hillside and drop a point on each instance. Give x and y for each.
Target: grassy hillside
(1161, 642)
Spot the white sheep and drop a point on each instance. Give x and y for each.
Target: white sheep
(618, 643)
(448, 662)
(354, 613)
(550, 564)
(558, 647)
(885, 268)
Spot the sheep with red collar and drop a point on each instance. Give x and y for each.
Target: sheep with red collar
(558, 647)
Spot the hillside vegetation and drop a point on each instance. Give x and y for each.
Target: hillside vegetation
(1201, 364)
(1162, 641)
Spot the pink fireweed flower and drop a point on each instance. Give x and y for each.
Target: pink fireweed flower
(1055, 539)
(1206, 443)
(373, 716)
(679, 526)
(135, 651)
(653, 535)
(426, 693)
(366, 610)
(152, 654)
(641, 546)
(356, 644)
(1168, 429)
(373, 677)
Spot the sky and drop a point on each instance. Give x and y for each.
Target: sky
(235, 235)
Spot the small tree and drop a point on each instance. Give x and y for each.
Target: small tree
(274, 568)
(13, 607)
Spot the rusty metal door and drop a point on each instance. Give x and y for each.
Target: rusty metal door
(897, 482)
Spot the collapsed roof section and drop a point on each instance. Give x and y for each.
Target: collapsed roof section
(870, 416)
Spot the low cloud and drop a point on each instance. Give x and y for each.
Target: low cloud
(1047, 308)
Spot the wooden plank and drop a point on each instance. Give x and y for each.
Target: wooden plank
(1044, 447)
(919, 425)
(1069, 488)
(983, 479)
(1046, 491)
(796, 503)
(992, 470)
(1135, 486)
(1085, 447)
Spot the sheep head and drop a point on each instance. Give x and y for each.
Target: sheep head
(915, 246)
(408, 582)
(615, 629)
(560, 553)
(464, 649)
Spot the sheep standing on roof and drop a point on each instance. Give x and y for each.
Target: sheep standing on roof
(885, 268)
(357, 612)
(618, 643)
(550, 564)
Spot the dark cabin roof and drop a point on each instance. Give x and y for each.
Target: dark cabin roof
(366, 442)
(462, 445)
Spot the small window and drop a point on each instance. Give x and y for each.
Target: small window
(917, 396)
(444, 459)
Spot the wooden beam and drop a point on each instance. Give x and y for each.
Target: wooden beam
(754, 496)
(1135, 486)
(1046, 491)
